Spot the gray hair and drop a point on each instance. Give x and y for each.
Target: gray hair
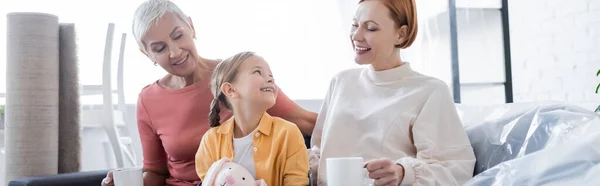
(150, 12)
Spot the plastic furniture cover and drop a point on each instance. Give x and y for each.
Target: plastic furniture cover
(533, 144)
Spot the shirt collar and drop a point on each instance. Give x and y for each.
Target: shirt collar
(389, 75)
(264, 125)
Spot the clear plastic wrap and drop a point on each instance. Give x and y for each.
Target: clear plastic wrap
(533, 144)
(575, 163)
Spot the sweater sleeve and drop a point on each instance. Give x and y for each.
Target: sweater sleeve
(444, 153)
(155, 158)
(315, 141)
(314, 153)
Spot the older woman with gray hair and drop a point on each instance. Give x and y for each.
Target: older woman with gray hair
(172, 112)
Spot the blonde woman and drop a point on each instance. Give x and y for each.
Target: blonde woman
(172, 112)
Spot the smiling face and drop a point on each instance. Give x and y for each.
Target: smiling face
(170, 44)
(380, 29)
(255, 84)
(374, 33)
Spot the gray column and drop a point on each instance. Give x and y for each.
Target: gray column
(69, 146)
(32, 95)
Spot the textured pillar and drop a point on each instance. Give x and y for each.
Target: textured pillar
(32, 95)
(69, 140)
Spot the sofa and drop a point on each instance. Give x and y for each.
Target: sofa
(534, 144)
(90, 178)
(515, 144)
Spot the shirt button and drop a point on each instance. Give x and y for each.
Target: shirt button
(255, 149)
(256, 134)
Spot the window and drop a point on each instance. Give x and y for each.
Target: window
(479, 47)
(304, 49)
(305, 42)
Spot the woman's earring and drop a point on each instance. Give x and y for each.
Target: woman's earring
(155, 64)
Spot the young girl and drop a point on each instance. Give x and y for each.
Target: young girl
(270, 148)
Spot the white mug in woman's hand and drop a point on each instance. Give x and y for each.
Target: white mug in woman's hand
(128, 177)
(345, 171)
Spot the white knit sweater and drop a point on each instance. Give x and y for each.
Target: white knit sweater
(398, 114)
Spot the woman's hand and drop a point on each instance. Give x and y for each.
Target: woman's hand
(385, 172)
(108, 180)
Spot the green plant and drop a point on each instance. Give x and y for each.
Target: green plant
(598, 88)
(1, 109)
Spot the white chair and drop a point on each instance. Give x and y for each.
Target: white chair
(112, 120)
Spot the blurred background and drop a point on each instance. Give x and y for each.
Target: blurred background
(488, 51)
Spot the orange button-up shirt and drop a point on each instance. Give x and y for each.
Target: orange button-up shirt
(278, 149)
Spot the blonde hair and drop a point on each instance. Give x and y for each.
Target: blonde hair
(150, 12)
(225, 72)
(403, 12)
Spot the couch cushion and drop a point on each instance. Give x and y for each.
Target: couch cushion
(91, 178)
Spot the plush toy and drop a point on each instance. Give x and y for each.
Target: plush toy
(227, 173)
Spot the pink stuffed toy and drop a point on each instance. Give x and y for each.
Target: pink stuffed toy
(227, 173)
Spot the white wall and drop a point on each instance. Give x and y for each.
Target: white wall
(555, 49)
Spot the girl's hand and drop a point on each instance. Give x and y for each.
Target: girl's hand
(261, 182)
(313, 163)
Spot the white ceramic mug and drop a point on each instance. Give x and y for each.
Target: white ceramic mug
(128, 177)
(345, 171)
